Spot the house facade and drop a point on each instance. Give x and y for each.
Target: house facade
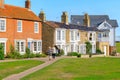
(69, 37)
(20, 27)
(106, 36)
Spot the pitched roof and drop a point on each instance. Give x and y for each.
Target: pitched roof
(95, 20)
(70, 26)
(15, 12)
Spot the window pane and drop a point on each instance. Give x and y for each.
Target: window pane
(29, 45)
(72, 48)
(36, 27)
(35, 46)
(19, 25)
(39, 46)
(22, 46)
(63, 35)
(58, 35)
(2, 25)
(72, 36)
(17, 46)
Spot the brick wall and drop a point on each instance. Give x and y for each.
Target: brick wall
(47, 37)
(28, 32)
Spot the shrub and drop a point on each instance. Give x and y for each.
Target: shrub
(32, 55)
(28, 52)
(1, 52)
(89, 48)
(98, 51)
(60, 53)
(13, 53)
(79, 55)
(38, 55)
(113, 53)
(72, 54)
(43, 55)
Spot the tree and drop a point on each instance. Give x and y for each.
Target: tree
(89, 48)
(1, 52)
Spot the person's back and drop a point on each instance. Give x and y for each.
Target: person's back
(50, 53)
(53, 52)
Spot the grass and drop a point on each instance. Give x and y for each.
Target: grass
(118, 47)
(79, 69)
(9, 68)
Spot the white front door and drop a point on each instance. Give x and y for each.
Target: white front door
(105, 52)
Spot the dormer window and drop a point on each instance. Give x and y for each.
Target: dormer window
(2, 25)
(19, 26)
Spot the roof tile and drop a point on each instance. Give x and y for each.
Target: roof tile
(15, 12)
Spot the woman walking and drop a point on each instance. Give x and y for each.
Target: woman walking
(54, 52)
(50, 53)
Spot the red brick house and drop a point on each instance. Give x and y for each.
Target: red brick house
(20, 27)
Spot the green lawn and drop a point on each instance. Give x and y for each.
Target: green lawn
(118, 47)
(8, 68)
(80, 69)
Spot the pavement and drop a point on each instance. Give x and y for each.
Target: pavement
(31, 70)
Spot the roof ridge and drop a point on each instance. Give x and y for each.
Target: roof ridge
(16, 6)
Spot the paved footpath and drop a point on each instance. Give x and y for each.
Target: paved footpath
(31, 70)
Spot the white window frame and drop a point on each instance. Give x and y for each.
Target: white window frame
(74, 35)
(72, 48)
(20, 48)
(36, 28)
(4, 25)
(82, 48)
(63, 35)
(39, 46)
(19, 27)
(60, 35)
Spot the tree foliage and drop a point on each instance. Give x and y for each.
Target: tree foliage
(1, 52)
(88, 47)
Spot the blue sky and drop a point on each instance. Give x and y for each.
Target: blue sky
(54, 8)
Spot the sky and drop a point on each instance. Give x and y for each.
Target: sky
(54, 8)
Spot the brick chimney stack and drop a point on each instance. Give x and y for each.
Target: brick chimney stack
(1, 3)
(42, 16)
(64, 18)
(27, 4)
(86, 20)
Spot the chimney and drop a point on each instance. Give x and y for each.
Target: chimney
(1, 3)
(42, 16)
(86, 20)
(27, 4)
(64, 18)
